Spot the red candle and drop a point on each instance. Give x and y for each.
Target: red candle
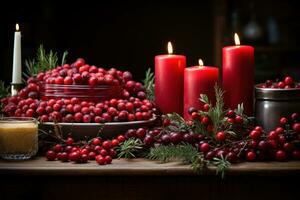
(198, 80)
(238, 76)
(169, 71)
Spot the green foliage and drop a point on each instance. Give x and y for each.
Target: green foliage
(129, 148)
(44, 61)
(222, 165)
(149, 84)
(185, 153)
(178, 123)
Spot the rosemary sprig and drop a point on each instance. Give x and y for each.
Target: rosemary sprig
(222, 165)
(185, 153)
(129, 148)
(149, 84)
(44, 61)
(177, 122)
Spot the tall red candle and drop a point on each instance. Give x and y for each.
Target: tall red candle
(198, 80)
(169, 71)
(238, 76)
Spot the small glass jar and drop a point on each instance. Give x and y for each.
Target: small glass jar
(18, 138)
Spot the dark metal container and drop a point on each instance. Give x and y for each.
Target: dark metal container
(273, 103)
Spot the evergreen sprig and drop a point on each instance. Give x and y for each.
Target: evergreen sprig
(185, 153)
(222, 165)
(129, 148)
(177, 122)
(44, 61)
(149, 84)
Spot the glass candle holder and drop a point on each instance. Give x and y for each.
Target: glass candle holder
(18, 138)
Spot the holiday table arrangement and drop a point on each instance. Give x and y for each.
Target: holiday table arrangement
(178, 113)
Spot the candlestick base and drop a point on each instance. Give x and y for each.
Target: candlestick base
(15, 88)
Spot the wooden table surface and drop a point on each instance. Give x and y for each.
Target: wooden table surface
(40, 166)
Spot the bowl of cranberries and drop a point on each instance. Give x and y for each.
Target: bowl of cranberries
(83, 98)
(274, 99)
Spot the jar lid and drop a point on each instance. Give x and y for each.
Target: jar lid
(276, 93)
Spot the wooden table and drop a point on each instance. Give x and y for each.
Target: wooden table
(144, 179)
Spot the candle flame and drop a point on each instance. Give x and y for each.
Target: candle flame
(170, 48)
(17, 27)
(200, 63)
(236, 39)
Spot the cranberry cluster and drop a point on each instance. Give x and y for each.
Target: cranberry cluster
(286, 83)
(103, 151)
(72, 110)
(132, 106)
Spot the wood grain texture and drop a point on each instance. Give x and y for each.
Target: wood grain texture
(40, 166)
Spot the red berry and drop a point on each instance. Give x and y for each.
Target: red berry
(273, 135)
(230, 113)
(121, 138)
(279, 130)
(295, 116)
(57, 148)
(281, 84)
(32, 87)
(140, 133)
(106, 144)
(96, 141)
(74, 156)
(103, 152)
(258, 128)
(29, 113)
(250, 156)
(84, 158)
(64, 157)
(166, 122)
(112, 153)
(195, 115)
(280, 155)
(205, 120)
(283, 120)
(93, 81)
(100, 160)
(204, 147)
(92, 155)
(238, 119)
(254, 134)
(296, 127)
(68, 80)
(230, 120)
(139, 116)
(50, 155)
(220, 136)
(108, 159)
(78, 117)
(86, 118)
(69, 141)
(115, 143)
(148, 140)
(206, 107)
(288, 147)
(288, 80)
(296, 154)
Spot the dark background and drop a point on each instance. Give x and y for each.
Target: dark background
(128, 34)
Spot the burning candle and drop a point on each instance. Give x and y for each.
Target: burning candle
(238, 75)
(198, 80)
(17, 62)
(169, 71)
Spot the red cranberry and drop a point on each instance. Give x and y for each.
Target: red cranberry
(50, 155)
(281, 84)
(68, 80)
(148, 140)
(92, 155)
(175, 137)
(100, 160)
(220, 136)
(250, 156)
(280, 155)
(288, 80)
(204, 147)
(238, 119)
(69, 141)
(231, 113)
(140, 133)
(205, 120)
(296, 127)
(74, 156)
(295, 116)
(115, 143)
(106, 144)
(127, 76)
(254, 134)
(121, 138)
(108, 159)
(296, 154)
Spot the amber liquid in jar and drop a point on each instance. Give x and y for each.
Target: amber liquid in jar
(18, 138)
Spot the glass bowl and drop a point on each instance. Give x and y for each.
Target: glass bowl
(83, 92)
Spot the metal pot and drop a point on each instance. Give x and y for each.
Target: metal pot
(272, 103)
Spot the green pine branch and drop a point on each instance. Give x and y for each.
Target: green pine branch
(149, 84)
(4, 91)
(222, 165)
(185, 153)
(130, 148)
